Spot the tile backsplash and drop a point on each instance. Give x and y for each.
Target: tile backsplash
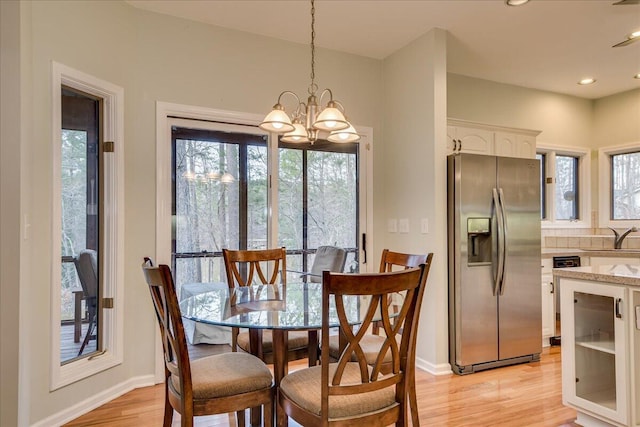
(588, 238)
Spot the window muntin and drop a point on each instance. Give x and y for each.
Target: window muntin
(625, 186)
(566, 188)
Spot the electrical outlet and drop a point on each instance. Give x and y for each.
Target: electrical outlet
(424, 225)
(392, 225)
(403, 225)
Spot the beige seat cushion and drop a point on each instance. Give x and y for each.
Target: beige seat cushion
(370, 345)
(226, 374)
(303, 387)
(296, 340)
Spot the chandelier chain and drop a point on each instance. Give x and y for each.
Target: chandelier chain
(313, 88)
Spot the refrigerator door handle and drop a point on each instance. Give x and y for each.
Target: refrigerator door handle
(504, 241)
(499, 270)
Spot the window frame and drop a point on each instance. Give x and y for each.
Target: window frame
(111, 234)
(604, 185)
(584, 178)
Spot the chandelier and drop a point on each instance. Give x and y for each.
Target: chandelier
(310, 118)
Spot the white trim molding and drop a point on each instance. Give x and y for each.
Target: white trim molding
(94, 401)
(112, 249)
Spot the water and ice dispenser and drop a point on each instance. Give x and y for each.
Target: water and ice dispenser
(479, 240)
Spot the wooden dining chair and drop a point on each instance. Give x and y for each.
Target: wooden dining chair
(371, 343)
(266, 266)
(215, 384)
(351, 391)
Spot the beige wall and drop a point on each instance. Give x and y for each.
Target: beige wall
(154, 58)
(414, 175)
(10, 203)
(563, 119)
(617, 119)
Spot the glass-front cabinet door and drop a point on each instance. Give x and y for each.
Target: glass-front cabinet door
(594, 349)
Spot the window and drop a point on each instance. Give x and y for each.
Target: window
(566, 188)
(318, 201)
(88, 164)
(625, 186)
(619, 186)
(564, 192)
(80, 188)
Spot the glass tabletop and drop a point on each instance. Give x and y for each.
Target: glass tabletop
(291, 306)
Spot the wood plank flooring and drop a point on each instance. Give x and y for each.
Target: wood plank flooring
(516, 396)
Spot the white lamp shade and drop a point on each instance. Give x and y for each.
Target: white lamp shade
(331, 119)
(345, 135)
(277, 121)
(227, 178)
(299, 134)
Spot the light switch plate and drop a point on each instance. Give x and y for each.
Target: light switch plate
(424, 225)
(638, 317)
(392, 225)
(403, 225)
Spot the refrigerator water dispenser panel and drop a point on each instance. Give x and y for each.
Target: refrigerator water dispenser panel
(479, 238)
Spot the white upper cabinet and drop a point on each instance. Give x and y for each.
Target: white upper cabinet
(469, 140)
(478, 138)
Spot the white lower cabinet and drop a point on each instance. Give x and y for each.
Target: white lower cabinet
(596, 376)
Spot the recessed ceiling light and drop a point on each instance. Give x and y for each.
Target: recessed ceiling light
(587, 81)
(637, 76)
(515, 2)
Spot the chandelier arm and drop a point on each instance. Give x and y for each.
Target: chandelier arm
(323, 93)
(289, 93)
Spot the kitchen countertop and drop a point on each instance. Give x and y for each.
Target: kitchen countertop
(623, 274)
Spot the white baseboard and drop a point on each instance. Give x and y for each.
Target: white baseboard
(440, 369)
(92, 402)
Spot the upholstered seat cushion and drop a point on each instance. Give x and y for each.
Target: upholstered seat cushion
(303, 387)
(370, 345)
(295, 340)
(226, 374)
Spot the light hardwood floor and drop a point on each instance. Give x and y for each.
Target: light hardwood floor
(515, 396)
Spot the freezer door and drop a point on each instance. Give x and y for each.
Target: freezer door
(473, 305)
(519, 304)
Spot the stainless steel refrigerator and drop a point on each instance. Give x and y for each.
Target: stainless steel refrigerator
(495, 314)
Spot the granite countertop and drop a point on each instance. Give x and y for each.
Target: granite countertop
(623, 274)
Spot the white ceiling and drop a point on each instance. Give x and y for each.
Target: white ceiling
(545, 44)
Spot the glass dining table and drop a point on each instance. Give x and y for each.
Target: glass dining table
(279, 308)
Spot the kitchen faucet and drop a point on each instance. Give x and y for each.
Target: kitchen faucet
(620, 237)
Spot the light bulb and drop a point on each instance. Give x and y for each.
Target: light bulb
(277, 125)
(330, 124)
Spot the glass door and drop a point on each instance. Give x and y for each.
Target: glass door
(594, 348)
(318, 201)
(219, 200)
(80, 215)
